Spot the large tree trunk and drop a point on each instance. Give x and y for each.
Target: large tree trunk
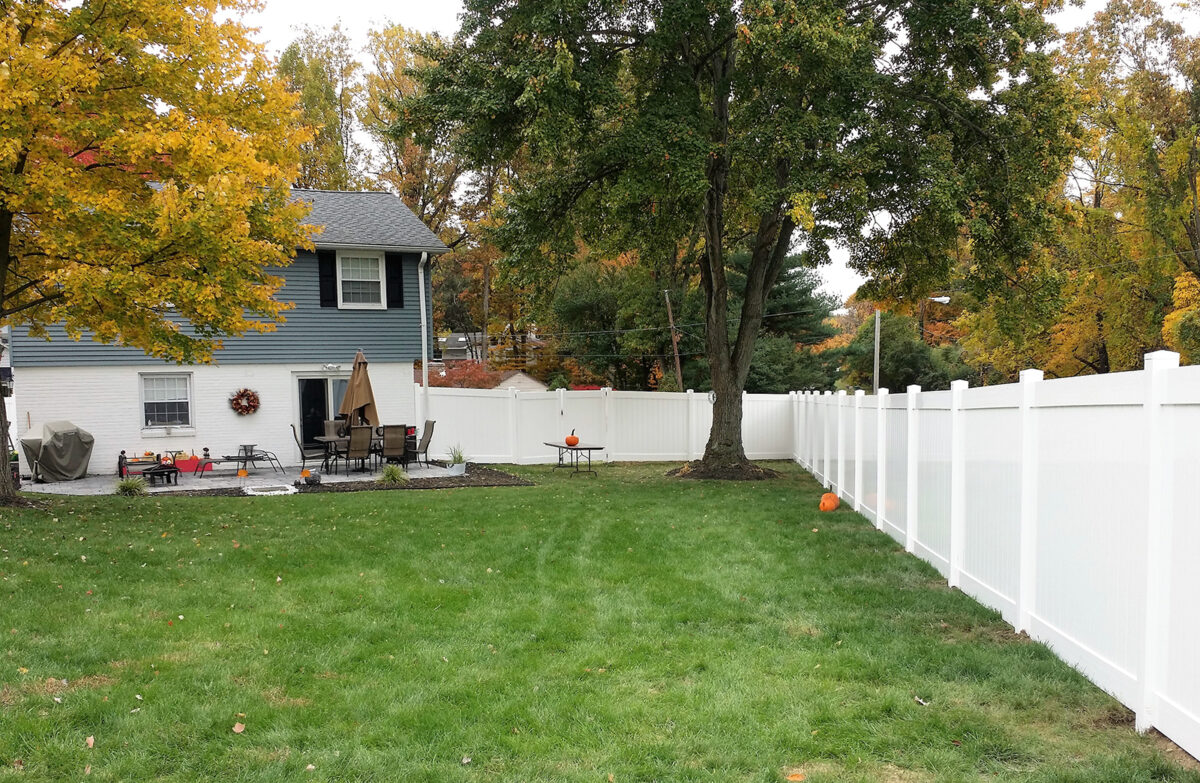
(729, 365)
(8, 490)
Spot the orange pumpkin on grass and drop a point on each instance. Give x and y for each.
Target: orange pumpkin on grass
(829, 502)
(572, 440)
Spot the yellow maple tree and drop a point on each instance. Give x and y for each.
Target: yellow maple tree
(145, 155)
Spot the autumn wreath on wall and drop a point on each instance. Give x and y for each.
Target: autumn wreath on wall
(244, 401)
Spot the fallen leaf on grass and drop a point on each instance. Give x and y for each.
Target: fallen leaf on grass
(87, 770)
(466, 760)
(797, 776)
(920, 701)
(91, 742)
(238, 728)
(309, 768)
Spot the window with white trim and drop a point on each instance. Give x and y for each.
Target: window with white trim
(167, 399)
(361, 281)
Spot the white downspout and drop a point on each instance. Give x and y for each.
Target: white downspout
(424, 337)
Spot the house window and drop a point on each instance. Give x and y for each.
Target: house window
(167, 400)
(360, 281)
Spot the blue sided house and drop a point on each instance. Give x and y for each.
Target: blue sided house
(365, 286)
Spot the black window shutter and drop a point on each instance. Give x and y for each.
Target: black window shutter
(327, 272)
(394, 263)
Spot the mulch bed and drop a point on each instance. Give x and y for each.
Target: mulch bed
(476, 476)
(746, 471)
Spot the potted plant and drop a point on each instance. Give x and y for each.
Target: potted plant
(457, 461)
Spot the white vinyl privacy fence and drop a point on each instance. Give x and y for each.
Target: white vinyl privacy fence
(506, 425)
(1071, 506)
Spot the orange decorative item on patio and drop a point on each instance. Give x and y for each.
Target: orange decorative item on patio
(572, 440)
(242, 473)
(829, 502)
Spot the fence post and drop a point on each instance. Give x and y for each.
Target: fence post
(910, 475)
(691, 425)
(840, 489)
(610, 431)
(1027, 570)
(562, 414)
(826, 418)
(858, 466)
(514, 425)
(419, 403)
(881, 399)
(1159, 523)
(958, 483)
(797, 445)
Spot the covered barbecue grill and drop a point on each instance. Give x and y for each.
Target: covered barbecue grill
(61, 454)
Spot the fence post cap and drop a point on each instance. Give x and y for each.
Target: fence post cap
(882, 390)
(956, 385)
(1031, 375)
(914, 389)
(1161, 360)
(859, 392)
(841, 392)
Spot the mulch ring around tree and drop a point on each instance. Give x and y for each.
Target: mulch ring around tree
(744, 471)
(476, 476)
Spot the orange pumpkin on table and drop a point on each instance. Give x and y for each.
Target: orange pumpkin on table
(572, 440)
(829, 502)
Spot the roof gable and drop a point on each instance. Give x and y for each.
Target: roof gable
(367, 219)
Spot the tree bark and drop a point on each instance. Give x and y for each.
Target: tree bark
(8, 491)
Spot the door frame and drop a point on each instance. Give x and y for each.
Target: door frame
(312, 375)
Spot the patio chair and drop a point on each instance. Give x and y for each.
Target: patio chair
(394, 438)
(334, 428)
(359, 447)
(423, 446)
(307, 453)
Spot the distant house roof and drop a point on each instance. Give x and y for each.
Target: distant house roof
(367, 219)
(522, 381)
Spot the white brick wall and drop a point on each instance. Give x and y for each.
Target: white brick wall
(106, 401)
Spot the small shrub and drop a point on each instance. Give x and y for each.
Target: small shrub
(392, 475)
(132, 486)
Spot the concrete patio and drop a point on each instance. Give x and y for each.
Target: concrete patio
(262, 478)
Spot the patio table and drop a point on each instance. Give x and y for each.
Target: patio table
(568, 456)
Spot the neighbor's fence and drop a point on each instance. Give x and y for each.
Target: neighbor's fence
(506, 425)
(1071, 506)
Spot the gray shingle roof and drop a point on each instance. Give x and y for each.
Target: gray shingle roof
(367, 219)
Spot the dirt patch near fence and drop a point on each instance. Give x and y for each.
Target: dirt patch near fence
(476, 476)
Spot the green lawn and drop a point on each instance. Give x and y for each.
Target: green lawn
(625, 628)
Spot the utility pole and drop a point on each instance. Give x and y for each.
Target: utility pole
(875, 375)
(674, 340)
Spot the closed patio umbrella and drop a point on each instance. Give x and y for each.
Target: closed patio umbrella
(359, 403)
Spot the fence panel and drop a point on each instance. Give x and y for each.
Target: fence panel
(1179, 686)
(933, 478)
(484, 434)
(1090, 596)
(992, 441)
(767, 426)
(895, 511)
(869, 501)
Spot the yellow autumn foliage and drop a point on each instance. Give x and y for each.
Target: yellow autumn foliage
(146, 151)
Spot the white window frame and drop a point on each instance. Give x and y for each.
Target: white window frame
(382, 304)
(191, 401)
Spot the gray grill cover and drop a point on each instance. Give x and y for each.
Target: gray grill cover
(61, 454)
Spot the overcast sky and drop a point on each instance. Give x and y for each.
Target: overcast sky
(280, 19)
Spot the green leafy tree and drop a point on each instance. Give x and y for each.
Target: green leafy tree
(769, 125)
(322, 70)
(904, 358)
